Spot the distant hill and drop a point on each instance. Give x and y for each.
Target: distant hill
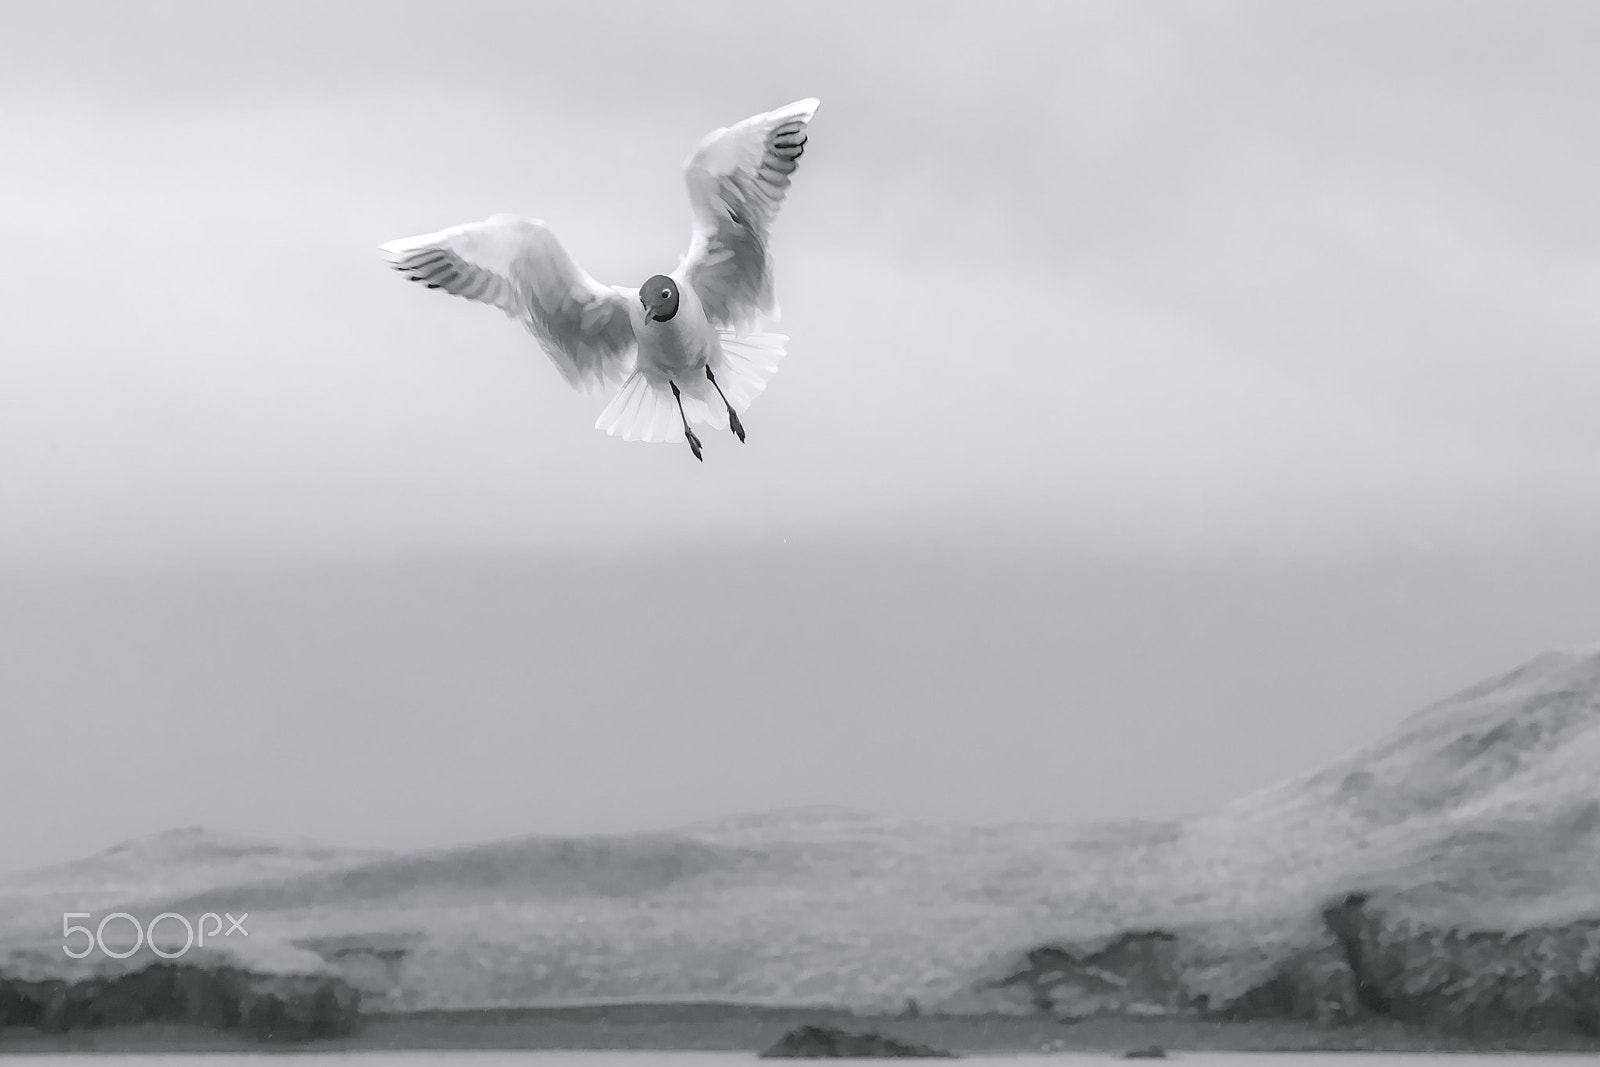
(180, 861)
(1484, 806)
(1480, 815)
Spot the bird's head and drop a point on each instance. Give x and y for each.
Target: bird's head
(659, 296)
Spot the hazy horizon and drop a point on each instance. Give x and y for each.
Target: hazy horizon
(1178, 396)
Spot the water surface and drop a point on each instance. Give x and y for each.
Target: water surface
(555, 1058)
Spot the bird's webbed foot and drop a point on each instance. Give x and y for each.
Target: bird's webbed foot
(688, 434)
(733, 416)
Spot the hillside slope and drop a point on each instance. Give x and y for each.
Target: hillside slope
(1480, 815)
(1482, 806)
(1448, 875)
(184, 860)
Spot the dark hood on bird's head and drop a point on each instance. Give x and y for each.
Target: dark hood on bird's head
(659, 296)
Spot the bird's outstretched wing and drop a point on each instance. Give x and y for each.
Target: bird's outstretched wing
(517, 265)
(737, 180)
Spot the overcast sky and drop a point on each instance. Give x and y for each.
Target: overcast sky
(1177, 393)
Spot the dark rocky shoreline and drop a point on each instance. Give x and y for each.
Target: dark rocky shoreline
(1375, 964)
(208, 993)
(1378, 979)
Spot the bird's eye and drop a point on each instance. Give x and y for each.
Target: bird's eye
(666, 294)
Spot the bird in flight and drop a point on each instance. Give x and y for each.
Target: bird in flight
(684, 347)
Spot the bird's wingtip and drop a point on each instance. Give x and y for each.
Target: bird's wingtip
(800, 109)
(397, 246)
(401, 247)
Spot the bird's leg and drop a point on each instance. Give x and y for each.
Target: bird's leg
(694, 442)
(733, 417)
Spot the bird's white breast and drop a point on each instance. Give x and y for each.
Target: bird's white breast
(680, 347)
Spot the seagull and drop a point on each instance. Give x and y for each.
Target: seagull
(689, 343)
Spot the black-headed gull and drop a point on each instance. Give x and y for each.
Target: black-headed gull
(687, 340)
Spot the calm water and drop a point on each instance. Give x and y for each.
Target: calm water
(729, 1059)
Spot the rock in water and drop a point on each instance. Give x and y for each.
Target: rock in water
(824, 1042)
(1154, 1052)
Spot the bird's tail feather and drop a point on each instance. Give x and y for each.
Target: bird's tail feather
(746, 365)
(644, 412)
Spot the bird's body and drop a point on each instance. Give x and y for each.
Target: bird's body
(684, 347)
